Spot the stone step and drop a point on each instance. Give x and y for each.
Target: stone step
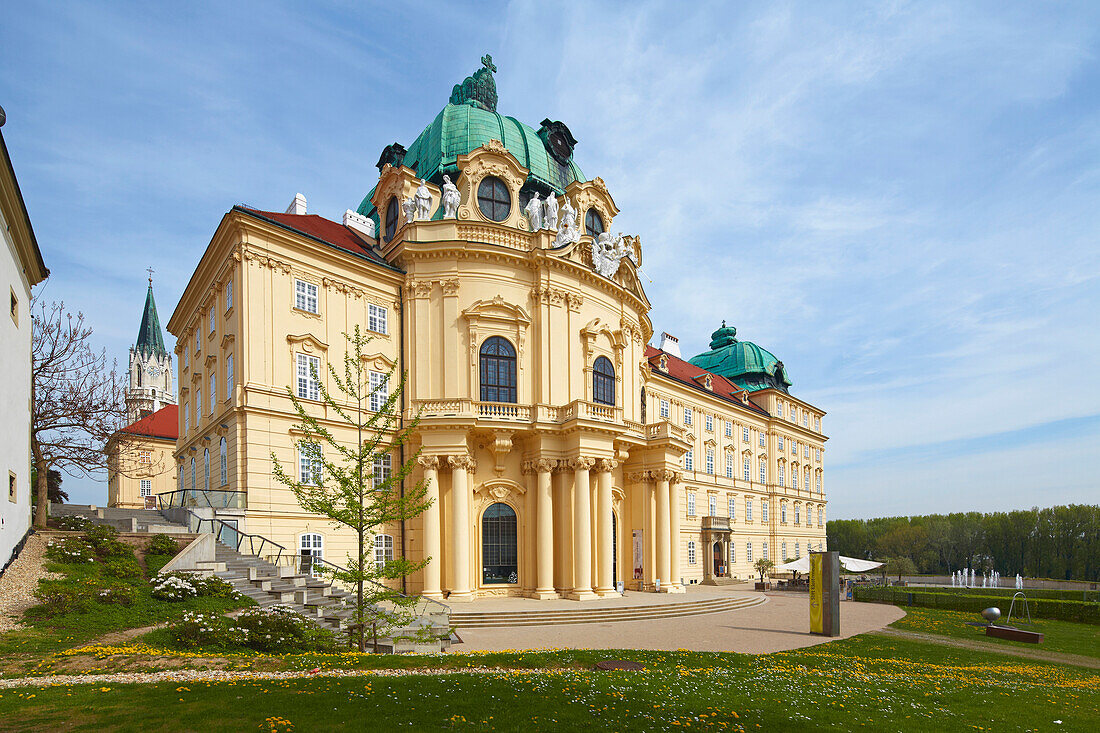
(637, 613)
(582, 609)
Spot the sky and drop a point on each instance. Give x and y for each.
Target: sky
(899, 200)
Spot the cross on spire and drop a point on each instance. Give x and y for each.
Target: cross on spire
(150, 270)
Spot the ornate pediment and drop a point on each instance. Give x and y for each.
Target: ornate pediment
(496, 310)
(307, 342)
(378, 362)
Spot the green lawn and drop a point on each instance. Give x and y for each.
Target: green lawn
(1058, 636)
(875, 682)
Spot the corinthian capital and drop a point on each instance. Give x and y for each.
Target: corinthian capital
(582, 463)
(465, 461)
(664, 475)
(543, 465)
(428, 462)
(606, 464)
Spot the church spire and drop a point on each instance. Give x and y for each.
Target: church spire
(150, 340)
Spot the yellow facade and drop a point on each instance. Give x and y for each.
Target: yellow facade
(574, 471)
(138, 468)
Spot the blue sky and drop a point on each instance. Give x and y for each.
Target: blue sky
(898, 199)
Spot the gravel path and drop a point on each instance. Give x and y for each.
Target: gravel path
(1039, 654)
(20, 581)
(208, 675)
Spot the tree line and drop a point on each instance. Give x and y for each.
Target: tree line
(1061, 542)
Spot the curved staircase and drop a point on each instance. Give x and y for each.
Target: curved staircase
(602, 615)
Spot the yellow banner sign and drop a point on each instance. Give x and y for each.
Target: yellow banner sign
(817, 594)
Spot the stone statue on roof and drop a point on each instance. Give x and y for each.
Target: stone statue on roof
(409, 207)
(423, 202)
(534, 212)
(550, 212)
(479, 89)
(451, 199)
(608, 252)
(568, 231)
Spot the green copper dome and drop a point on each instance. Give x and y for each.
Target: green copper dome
(742, 362)
(468, 122)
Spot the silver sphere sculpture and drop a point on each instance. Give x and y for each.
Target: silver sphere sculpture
(991, 614)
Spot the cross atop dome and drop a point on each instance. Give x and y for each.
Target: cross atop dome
(480, 89)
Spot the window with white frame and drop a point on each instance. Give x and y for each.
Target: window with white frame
(764, 551)
(779, 408)
(794, 477)
(228, 376)
(223, 448)
(748, 552)
(145, 456)
(806, 482)
(794, 448)
(689, 460)
(797, 552)
(213, 390)
(691, 503)
(664, 409)
(760, 439)
(817, 454)
(818, 477)
(763, 471)
(793, 417)
(712, 502)
(709, 460)
(691, 553)
(729, 429)
(805, 419)
(805, 451)
(732, 508)
(745, 434)
(383, 469)
(729, 464)
(228, 294)
(146, 487)
(379, 390)
(376, 318)
(746, 469)
(305, 296)
(310, 547)
(212, 318)
(187, 416)
(309, 463)
(783, 513)
(764, 511)
(820, 517)
(733, 554)
(687, 416)
(198, 405)
(783, 549)
(782, 475)
(817, 424)
(708, 423)
(780, 439)
(309, 374)
(748, 510)
(383, 550)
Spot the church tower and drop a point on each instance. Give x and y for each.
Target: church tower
(150, 366)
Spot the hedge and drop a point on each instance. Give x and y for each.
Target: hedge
(1060, 610)
(1032, 593)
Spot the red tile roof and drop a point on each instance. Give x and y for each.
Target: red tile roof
(691, 375)
(164, 423)
(320, 228)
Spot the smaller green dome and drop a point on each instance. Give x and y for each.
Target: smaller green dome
(744, 363)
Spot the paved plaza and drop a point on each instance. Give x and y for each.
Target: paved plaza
(780, 624)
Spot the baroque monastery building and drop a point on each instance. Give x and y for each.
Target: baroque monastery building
(565, 455)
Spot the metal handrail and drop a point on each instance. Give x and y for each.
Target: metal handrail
(169, 502)
(241, 536)
(430, 601)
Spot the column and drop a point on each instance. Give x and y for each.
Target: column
(582, 530)
(431, 528)
(664, 534)
(544, 532)
(527, 539)
(674, 530)
(605, 584)
(460, 528)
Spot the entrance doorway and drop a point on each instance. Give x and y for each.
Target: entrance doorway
(718, 560)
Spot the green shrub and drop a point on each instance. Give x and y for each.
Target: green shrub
(162, 544)
(1059, 610)
(280, 628)
(73, 524)
(59, 600)
(213, 587)
(122, 567)
(70, 550)
(120, 595)
(206, 631)
(173, 587)
(104, 540)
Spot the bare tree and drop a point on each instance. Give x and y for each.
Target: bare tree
(77, 402)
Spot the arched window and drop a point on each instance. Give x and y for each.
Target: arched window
(498, 370)
(193, 477)
(593, 223)
(498, 545)
(206, 469)
(493, 198)
(391, 218)
(603, 381)
(224, 462)
(310, 546)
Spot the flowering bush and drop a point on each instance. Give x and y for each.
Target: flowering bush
(280, 628)
(173, 587)
(207, 630)
(121, 595)
(121, 567)
(162, 544)
(59, 600)
(211, 586)
(73, 524)
(70, 550)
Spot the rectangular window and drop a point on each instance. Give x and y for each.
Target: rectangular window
(792, 415)
(745, 434)
(383, 550)
(691, 503)
(764, 551)
(186, 358)
(748, 552)
(186, 416)
(198, 405)
(305, 296)
(779, 409)
(710, 460)
(376, 318)
(228, 294)
(198, 339)
(733, 554)
(12, 494)
(687, 416)
(379, 390)
(805, 451)
(817, 424)
(797, 552)
(213, 390)
(689, 461)
(794, 477)
(383, 469)
(14, 307)
(664, 409)
(817, 454)
(145, 456)
(691, 553)
(780, 439)
(211, 319)
(713, 505)
(819, 483)
(820, 517)
(806, 482)
(782, 475)
(783, 549)
(783, 513)
(228, 376)
(732, 509)
(729, 465)
(746, 469)
(708, 422)
(748, 510)
(309, 372)
(146, 487)
(763, 471)
(797, 515)
(309, 464)
(794, 448)
(764, 511)
(761, 436)
(729, 429)
(805, 420)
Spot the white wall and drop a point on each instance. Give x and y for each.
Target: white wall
(15, 394)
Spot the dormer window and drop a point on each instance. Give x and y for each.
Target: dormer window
(493, 199)
(391, 217)
(593, 223)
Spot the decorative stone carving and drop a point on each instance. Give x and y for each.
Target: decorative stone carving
(550, 212)
(423, 202)
(534, 212)
(479, 89)
(409, 207)
(428, 462)
(568, 229)
(464, 460)
(543, 465)
(582, 463)
(606, 464)
(608, 252)
(500, 448)
(451, 199)
(450, 286)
